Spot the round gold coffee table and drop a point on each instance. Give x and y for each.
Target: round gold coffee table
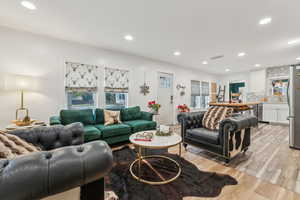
(157, 142)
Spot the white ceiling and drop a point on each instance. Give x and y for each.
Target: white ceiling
(199, 29)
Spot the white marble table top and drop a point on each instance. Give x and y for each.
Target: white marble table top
(12, 127)
(157, 142)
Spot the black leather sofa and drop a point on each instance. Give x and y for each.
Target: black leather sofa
(232, 137)
(65, 163)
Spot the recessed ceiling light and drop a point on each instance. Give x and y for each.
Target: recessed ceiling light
(266, 20)
(298, 58)
(177, 53)
(28, 5)
(204, 62)
(257, 65)
(294, 41)
(241, 54)
(227, 70)
(128, 37)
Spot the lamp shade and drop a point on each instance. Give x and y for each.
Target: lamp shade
(20, 83)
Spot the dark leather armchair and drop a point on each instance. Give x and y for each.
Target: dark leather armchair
(65, 163)
(232, 137)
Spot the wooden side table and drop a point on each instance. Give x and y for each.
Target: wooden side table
(13, 127)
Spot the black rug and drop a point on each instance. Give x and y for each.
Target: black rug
(191, 182)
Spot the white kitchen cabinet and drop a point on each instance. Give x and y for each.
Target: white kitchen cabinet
(282, 115)
(269, 114)
(276, 113)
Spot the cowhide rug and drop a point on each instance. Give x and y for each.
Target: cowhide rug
(192, 181)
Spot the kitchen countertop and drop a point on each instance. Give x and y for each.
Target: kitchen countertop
(234, 104)
(274, 102)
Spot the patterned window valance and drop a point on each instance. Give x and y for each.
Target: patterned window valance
(81, 76)
(116, 80)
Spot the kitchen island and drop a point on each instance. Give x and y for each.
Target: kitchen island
(237, 106)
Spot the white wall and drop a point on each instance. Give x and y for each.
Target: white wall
(44, 57)
(257, 81)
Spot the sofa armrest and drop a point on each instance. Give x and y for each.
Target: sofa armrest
(53, 137)
(42, 174)
(147, 116)
(235, 134)
(55, 120)
(238, 122)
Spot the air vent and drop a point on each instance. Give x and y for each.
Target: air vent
(217, 57)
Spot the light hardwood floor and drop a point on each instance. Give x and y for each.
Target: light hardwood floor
(269, 171)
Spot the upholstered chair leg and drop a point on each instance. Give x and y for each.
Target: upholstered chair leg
(185, 145)
(227, 160)
(93, 191)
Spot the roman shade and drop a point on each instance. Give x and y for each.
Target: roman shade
(81, 77)
(205, 88)
(116, 80)
(195, 88)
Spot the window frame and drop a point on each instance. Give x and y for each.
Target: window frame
(116, 92)
(200, 96)
(72, 107)
(205, 95)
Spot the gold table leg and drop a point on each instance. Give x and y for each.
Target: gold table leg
(144, 159)
(180, 150)
(140, 160)
(180, 154)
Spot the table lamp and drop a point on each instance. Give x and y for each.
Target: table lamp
(21, 84)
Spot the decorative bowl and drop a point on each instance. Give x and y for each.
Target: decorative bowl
(22, 123)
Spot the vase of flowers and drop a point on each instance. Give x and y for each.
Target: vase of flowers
(154, 107)
(183, 108)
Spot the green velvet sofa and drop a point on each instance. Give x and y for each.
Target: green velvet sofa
(133, 120)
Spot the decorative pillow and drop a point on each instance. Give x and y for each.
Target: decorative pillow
(12, 146)
(215, 115)
(225, 113)
(111, 117)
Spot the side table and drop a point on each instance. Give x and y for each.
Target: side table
(158, 142)
(13, 127)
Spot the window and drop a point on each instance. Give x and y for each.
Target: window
(204, 96)
(81, 99)
(81, 85)
(116, 100)
(165, 82)
(199, 94)
(195, 98)
(116, 88)
(236, 91)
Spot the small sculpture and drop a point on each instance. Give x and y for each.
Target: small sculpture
(145, 89)
(182, 88)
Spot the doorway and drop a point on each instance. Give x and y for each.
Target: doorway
(165, 98)
(237, 93)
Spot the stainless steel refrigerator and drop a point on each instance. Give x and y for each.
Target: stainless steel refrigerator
(294, 106)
